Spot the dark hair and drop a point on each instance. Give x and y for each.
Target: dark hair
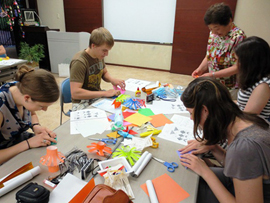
(39, 84)
(253, 61)
(219, 13)
(101, 36)
(208, 92)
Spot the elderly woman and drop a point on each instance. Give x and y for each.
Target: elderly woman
(244, 175)
(220, 61)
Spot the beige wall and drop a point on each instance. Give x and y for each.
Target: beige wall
(252, 16)
(141, 55)
(51, 13)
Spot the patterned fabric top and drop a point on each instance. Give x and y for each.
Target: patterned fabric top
(13, 124)
(243, 97)
(220, 54)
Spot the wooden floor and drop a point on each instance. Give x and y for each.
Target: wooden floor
(51, 118)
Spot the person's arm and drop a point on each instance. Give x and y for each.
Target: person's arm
(258, 99)
(2, 50)
(77, 92)
(116, 82)
(46, 133)
(203, 68)
(223, 73)
(245, 190)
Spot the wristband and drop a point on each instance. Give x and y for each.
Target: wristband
(28, 144)
(213, 73)
(34, 125)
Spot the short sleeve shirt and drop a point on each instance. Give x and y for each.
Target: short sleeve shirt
(248, 156)
(86, 70)
(220, 54)
(13, 124)
(244, 95)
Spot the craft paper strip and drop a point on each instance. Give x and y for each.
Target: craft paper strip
(176, 133)
(159, 120)
(151, 192)
(19, 180)
(133, 84)
(138, 119)
(167, 189)
(146, 112)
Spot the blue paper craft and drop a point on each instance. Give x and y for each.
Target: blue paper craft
(180, 154)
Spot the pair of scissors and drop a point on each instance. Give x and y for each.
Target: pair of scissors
(170, 166)
(107, 141)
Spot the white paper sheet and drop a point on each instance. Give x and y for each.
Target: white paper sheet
(105, 104)
(88, 122)
(133, 84)
(167, 107)
(67, 189)
(19, 180)
(177, 133)
(141, 163)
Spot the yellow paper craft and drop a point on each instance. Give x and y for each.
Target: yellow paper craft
(138, 119)
(113, 134)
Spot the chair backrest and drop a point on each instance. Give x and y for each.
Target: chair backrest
(65, 91)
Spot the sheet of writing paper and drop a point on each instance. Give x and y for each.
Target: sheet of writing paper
(105, 104)
(167, 107)
(133, 84)
(88, 121)
(167, 190)
(67, 189)
(175, 133)
(182, 121)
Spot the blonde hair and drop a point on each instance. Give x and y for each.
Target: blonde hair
(39, 84)
(101, 36)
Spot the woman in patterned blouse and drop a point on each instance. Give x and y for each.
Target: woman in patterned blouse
(219, 61)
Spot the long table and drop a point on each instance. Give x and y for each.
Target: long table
(8, 69)
(187, 179)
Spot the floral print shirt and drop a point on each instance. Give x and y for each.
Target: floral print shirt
(220, 54)
(13, 124)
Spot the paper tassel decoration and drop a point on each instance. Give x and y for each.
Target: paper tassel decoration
(100, 148)
(52, 159)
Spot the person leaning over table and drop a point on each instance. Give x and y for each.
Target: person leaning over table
(87, 68)
(244, 175)
(32, 91)
(2, 51)
(253, 59)
(219, 61)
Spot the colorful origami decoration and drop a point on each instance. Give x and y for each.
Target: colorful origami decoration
(130, 154)
(100, 148)
(134, 104)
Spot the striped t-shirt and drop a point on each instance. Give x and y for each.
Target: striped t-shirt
(243, 97)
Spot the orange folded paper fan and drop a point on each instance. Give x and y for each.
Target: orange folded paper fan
(100, 148)
(52, 159)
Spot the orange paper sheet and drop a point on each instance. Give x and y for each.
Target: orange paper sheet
(167, 189)
(80, 197)
(138, 119)
(159, 120)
